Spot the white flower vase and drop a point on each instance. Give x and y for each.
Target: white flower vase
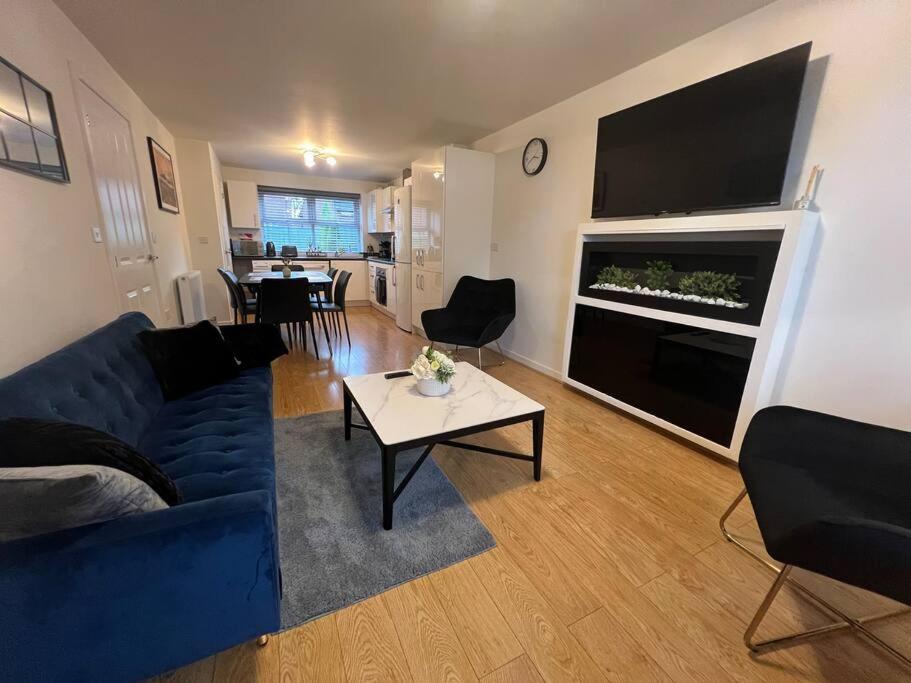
(431, 386)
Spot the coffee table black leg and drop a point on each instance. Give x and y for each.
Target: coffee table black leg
(347, 401)
(388, 456)
(537, 431)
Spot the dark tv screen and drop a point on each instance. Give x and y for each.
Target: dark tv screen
(721, 143)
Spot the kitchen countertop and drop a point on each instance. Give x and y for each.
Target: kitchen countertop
(384, 261)
(304, 257)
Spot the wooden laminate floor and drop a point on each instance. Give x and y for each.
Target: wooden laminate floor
(610, 568)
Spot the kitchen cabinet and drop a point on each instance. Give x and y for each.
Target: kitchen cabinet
(357, 285)
(371, 212)
(243, 204)
(322, 266)
(371, 281)
(264, 264)
(426, 294)
(384, 205)
(451, 217)
(390, 290)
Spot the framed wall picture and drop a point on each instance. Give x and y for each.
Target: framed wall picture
(165, 182)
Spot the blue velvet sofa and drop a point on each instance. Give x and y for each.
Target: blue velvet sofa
(144, 594)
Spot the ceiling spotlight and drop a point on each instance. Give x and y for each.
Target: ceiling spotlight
(309, 159)
(331, 161)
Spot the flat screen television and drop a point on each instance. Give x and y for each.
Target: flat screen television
(721, 143)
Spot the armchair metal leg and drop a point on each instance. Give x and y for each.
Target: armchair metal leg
(783, 577)
(480, 365)
(262, 640)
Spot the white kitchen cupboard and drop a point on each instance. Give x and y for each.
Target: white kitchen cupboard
(383, 202)
(243, 204)
(391, 284)
(357, 285)
(371, 282)
(451, 216)
(371, 212)
(385, 209)
(309, 264)
(426, 293)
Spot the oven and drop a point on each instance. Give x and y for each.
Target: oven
(380, 286)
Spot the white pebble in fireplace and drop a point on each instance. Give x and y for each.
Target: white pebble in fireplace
(683, 321)
(667, 294)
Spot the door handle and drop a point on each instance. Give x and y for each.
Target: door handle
(152, 257)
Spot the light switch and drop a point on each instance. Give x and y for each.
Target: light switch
(494, 246)
(96, 234)
(203, 239)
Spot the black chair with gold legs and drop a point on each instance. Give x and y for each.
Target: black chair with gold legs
(831, 497)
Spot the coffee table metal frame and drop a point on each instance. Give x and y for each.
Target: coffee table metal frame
(388, 452)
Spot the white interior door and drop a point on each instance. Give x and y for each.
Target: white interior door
(114, 170)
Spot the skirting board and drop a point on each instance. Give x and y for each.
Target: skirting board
(529, 363)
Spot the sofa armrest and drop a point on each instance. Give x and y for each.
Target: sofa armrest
(140, 595)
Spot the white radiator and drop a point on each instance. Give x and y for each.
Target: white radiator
(192, 302)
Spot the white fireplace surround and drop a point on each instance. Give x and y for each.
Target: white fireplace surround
(797, 228)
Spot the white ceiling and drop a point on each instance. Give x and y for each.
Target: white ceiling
(379, 81)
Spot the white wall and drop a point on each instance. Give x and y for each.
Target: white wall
(306, 182)
(56, 283)
(849, 349)
(204, 209)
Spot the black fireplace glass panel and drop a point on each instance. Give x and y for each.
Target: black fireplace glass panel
(690, 376)
(748, 254)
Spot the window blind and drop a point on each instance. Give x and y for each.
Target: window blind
(326, 221)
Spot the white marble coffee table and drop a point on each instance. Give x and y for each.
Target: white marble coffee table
(400, 419)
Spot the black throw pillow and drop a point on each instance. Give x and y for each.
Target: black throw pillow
(30, 442)
(255, 345)
(187, 359)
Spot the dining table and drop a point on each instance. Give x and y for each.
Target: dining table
(318, 280)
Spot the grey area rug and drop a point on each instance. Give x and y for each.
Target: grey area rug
(334, 551)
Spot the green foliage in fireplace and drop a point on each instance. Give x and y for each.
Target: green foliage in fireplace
(658, 274)
(620, 277)
(708, 283)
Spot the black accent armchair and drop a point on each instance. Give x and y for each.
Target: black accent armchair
(830, 496)
(478, 313)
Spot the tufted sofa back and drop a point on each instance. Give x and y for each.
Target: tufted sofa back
(102, 380)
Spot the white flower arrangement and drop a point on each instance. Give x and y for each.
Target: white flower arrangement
(432, 364)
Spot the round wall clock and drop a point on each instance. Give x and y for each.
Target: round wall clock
(535, 156)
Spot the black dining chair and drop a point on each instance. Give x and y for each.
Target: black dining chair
(326, 294)
(337, 305)
(240, 302)
(478, 313)
(294, 268)
(830, 496)
(287, 302)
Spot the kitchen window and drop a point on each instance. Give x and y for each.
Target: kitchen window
(324, 221)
